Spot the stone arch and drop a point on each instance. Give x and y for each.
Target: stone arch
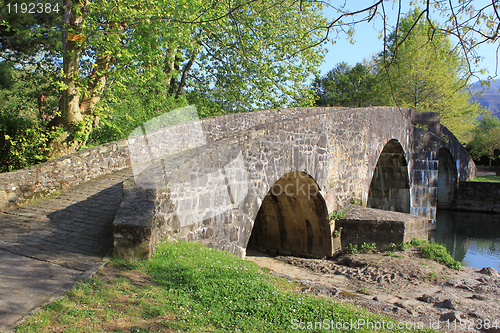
(293, 218)
(447, 178)
(390, 185)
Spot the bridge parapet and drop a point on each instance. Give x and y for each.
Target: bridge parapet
(21, 186)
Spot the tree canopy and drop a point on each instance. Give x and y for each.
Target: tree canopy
(241, 55)
(107, 58)
(416, 70)
(426, 73)
(344, 85)
(486, 139)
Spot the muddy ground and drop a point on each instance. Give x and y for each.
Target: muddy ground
(403, 286)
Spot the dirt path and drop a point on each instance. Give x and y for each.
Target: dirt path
(404, 286)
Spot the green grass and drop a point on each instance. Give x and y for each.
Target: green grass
(487, 179)
(436, 252)
(187, 287)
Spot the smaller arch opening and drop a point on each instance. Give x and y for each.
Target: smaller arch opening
(390, 186)
(293, 218)
(447, 178)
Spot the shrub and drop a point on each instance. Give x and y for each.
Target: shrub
(436, 252)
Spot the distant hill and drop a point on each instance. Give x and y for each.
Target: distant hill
(490, 98)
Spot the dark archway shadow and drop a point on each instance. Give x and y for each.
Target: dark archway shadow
(293, 219)
(390, 185)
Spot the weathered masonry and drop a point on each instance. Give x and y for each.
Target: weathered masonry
(271, 178)
(267, 178)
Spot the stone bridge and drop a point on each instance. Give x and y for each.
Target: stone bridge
(268, 178)
(271, 178)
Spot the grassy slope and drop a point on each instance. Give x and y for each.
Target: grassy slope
(187, 287)
(487, 179)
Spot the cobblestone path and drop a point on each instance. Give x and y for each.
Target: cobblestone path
(46, 246)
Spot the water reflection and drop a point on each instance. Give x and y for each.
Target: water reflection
(472, 238)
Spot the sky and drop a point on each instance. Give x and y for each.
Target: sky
(367, 44)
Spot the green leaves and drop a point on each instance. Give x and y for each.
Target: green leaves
(424, 72)
(486, 138)
(346, 86)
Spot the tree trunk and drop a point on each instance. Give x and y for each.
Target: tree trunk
(95, 88)
(69, 105)
(72, 50)
(182, 83)
(169, 67)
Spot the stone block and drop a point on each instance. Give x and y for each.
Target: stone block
(368, 225)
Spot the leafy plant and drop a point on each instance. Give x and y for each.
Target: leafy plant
(363, 290)
(336, 233)
(357, 202)
(440, 254)
(26, 107)
(433, 251)
(431, 275)
(337, 214)
(391, 247)
(367, 248)
(364, 248)
(352, 248)
(405, 246)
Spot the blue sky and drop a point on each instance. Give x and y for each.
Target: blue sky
(367, 43)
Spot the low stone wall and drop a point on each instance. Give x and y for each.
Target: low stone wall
(135, 235)
(369, 225)
(21, 186)
(478, 197)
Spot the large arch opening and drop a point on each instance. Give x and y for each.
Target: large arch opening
(293, 218)
(447, 178)
(390, 186)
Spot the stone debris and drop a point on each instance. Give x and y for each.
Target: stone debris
(453, 316)
(490, 271)
(398, 286)
(447, 304)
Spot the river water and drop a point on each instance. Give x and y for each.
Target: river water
(472, 238)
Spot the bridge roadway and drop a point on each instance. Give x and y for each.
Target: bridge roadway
(49, 245)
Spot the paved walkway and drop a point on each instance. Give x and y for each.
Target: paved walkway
(49, 245)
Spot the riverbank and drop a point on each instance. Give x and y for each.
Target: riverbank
(403, 286)
(187, 287)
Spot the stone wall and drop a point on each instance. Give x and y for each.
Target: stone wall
(478, 197)
(428, 137)
(293, 218)
(212, 191)
(21, 186)
(390, 186)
